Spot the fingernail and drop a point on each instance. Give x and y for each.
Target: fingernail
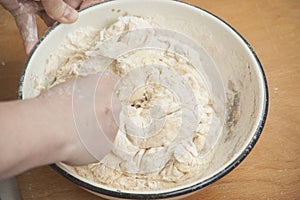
(70, 15)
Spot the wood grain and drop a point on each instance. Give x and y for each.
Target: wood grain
(272, 170)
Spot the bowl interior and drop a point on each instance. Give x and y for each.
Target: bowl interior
(242, 87)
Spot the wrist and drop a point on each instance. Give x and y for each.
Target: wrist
(57, 114)
(31, 136)
(59, 107)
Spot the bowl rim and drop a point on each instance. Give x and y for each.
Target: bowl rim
(182, 191)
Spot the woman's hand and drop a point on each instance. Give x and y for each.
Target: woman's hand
(24, 11)
(89, 108)
(74, 122)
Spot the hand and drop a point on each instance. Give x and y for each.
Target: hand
(24, 11)
(90, 110)
(59, 125)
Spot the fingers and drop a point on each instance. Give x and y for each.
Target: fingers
(74, 3)
(28, 29)
(48, 20)
(60, 11)
(87, 3)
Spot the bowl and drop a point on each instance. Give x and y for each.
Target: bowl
(236, 80)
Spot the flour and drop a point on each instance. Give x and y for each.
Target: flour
(166, 112)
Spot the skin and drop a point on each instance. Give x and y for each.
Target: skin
(25, 11)
(42, 130)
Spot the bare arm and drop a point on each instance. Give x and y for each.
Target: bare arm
(41, 131)
(30, 136)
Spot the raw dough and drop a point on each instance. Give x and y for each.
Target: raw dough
(170, 155)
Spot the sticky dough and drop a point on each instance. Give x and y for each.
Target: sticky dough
(170, 155)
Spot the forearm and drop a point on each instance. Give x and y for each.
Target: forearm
(42, 130)
(29, 136)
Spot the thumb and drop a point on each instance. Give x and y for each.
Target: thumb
(87, 3)
(28, 29)
(60, 11)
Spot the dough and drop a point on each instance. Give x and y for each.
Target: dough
(166, 113)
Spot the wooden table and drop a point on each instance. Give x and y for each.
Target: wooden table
(272, 170)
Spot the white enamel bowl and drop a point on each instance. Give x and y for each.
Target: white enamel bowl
(240, 72)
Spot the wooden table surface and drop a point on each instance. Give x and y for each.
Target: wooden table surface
(272, 169)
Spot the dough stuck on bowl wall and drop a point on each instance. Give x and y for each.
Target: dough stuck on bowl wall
(163, 96)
